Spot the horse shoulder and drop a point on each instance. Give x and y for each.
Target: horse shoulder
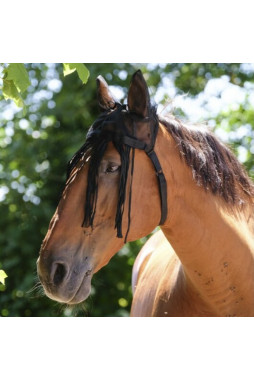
(153, 243)
(149, 268)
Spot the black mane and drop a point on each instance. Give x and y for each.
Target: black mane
(213, 164)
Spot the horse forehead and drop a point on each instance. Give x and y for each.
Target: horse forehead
(111, 147)
(111, 150)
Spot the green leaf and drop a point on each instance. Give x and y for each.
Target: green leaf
(17, 73)
(82, 70)
(67, 69)
(2, 276)
(10, 92)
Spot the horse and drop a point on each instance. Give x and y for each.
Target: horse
(138, 170)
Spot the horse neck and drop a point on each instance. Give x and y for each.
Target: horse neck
(213, 240)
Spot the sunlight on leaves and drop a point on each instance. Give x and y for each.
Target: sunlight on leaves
(10, 92)
(15, 82)
(2, 276)
(81, 69)
(68, 68)
(17, 73)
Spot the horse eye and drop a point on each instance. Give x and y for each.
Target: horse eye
(112, 168)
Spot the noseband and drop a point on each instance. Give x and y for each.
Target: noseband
(140, 133)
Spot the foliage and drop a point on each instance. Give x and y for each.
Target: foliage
(16, 80)
(82, 71)
(36, 148)
(2, 277)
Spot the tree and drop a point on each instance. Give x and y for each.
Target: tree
(16, 80)
(35, 149)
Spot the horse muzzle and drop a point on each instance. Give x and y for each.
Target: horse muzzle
(65, 282)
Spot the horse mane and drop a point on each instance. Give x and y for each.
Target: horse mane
(213, 164)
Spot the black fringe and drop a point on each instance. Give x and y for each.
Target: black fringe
(108, 127)
(92, 182)
(130, 194)
(124, 152)
(100, 134)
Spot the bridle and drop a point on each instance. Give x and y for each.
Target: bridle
(113, 125)
(149, 150)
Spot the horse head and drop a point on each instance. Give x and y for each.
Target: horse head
(111, 195)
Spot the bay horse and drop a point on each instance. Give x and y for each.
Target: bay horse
(138, 170)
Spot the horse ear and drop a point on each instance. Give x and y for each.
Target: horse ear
(138, 96)
(105, 98)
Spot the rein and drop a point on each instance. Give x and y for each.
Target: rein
(112, 127)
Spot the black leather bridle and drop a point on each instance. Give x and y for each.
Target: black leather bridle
(149, 150)
(123, 128)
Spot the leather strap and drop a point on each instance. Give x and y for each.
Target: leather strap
(162, 185)
(134, 143)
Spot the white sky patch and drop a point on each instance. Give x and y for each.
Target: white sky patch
(8, 114)
(123, 74)
(244, 130)
(36, 134)
(9, 131)
(3, 192)
(55, 85)
(247, 67)
(41, 95)
(222, 135)
(216, 85)
(242, 154)
(167, 90)
(251, 99)
(219, 95)
(23, 124)
(15, 173)
(232, 95)
(117, 92)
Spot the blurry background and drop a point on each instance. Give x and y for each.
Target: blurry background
(35, 148)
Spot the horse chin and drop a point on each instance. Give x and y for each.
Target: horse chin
(80, 295)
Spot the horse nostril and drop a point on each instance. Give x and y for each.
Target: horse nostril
(58, 273)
